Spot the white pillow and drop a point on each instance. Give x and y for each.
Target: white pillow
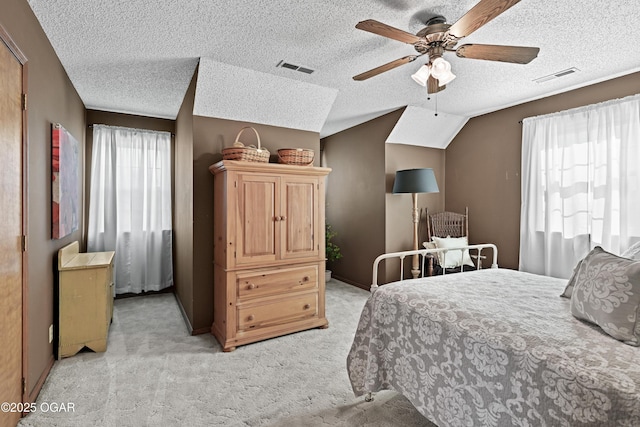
(453, 258)
(633, 252)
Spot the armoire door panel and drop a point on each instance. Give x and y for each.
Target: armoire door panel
(258, 219)
(299, 226)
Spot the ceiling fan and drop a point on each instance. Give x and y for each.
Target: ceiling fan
(439, 37)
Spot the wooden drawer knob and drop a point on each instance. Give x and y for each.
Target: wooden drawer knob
(307, 306)
(251, 286)
(251, 317)
(305, 279)
(282, 218)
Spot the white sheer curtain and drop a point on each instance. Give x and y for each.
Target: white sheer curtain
(580, 185)
(130, 205)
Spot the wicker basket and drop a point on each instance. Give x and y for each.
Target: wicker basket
(246, 154)
(295, 156)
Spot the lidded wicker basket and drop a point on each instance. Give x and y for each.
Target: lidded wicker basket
(296, 156)
(244, 153)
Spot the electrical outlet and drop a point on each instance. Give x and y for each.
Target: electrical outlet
(50, 334)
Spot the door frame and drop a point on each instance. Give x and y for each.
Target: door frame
(22, 59)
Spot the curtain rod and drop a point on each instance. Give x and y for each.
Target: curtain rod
(589, 107)
(172, 134)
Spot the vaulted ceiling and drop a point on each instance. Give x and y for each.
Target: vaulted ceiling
(138, 57)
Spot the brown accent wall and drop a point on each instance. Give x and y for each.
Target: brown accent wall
(369, 219)
(52, 99)
(183, 205)
(355, 196)
(96, 117)
(483, 164)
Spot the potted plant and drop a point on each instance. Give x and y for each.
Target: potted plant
(331, 249)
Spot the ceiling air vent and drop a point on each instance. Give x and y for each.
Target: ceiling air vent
(556, 75)
(294, 67)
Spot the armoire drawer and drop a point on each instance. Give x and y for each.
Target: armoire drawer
(270, 282)
(277, 312)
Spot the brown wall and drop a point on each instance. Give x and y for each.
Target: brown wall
(360, 207)
(355, 196)
(483, 164)
(52, 99)
(183, 205)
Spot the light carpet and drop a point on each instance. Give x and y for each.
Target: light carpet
(155, 374)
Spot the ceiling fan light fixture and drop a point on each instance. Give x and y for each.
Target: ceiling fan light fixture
(422, 75)
(447, 78)
(440, 68)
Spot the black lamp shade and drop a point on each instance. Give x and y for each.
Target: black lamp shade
(415, 181)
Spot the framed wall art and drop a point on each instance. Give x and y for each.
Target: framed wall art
(65, 181)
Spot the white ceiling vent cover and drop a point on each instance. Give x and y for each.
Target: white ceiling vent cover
(556, 75)
(290, 66)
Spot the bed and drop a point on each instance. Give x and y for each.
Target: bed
(493, 347)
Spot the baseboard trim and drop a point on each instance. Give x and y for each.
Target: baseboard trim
(184, 314)
(353, 283)
(201, 331)
(33, 395)
(192, 331)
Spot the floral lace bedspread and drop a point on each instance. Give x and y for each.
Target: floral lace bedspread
(493, 347)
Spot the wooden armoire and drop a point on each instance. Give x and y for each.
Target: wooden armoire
(269, 250)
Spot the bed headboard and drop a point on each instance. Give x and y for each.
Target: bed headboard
(423, 252)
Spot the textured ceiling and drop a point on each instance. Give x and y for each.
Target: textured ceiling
(138, 57)
(263, 97)
(416, 127)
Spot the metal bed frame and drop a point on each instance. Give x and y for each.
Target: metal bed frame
(423, 252)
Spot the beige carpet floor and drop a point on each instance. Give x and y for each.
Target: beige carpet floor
(155, 374)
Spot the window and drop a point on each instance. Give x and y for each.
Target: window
(130, 205)
(581, 172)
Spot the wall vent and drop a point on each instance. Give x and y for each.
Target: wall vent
(306, 70)
(556, 75)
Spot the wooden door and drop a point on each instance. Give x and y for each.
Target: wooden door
(257, 218)
(10, 232)
(299, 204)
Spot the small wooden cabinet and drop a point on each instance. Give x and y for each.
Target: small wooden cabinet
(269, 251)
(85, 300)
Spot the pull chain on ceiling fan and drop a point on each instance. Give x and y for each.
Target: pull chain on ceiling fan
(439, 37)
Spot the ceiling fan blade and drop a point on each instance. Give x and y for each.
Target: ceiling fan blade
(386, 67)
(433, 86)
(489, 52)
(479, 15)
(385, 30)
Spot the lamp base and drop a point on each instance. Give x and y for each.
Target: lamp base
(415, 264)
